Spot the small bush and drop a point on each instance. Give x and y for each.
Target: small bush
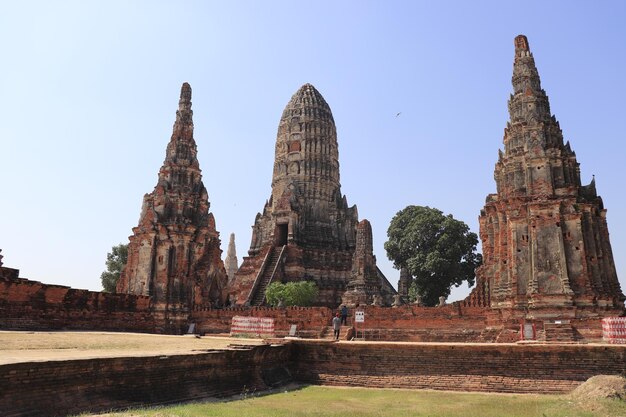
(301, 293)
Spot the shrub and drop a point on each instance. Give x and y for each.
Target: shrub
(301, 293)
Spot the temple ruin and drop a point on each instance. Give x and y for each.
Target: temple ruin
(230, 263)
(545, 238)
(306, 231)
(174, 254)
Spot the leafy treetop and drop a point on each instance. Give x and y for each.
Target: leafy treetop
(301, 293)
(437, 250)
(116, 260)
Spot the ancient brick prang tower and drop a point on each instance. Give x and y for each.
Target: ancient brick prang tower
(174, 253)
(230, 263)
(365, 283)
(545, 236)
(307, 231)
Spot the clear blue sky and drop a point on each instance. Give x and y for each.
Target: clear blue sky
(89, 90)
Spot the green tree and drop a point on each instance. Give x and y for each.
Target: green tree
(438, 251)
(301, 293)
(116, 260)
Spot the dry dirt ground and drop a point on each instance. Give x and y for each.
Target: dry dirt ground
(27, 346)
(43, 346)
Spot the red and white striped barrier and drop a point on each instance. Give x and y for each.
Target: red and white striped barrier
(252, 326)
(614, 330)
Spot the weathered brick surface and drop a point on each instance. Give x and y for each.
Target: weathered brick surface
(310, 321)
(407, 323)
(452, 323)
(365, 285)
(544, 235)
(306, 211)
(31, 305)
(478, 367)
(58, 388)
(174, 254)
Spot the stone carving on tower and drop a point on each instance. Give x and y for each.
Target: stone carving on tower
(306, 231)
(544, 235)
(231, 264)
(174, 254)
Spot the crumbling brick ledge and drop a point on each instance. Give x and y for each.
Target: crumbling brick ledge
(515, 368)
(58, 388)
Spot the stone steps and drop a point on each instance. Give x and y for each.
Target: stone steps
(328, 334)
(259, 296)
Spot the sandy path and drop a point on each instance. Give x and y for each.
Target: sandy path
(28, 346)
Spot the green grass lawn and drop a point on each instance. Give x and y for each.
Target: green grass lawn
(316, 401)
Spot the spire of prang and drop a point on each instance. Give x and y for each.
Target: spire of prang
(231, 263)
(185, 96)
(183, 126)
(521, 45)
(529, 101)
(533, 134)
(181, 167)
(174, 253)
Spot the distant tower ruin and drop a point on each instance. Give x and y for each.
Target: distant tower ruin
(544, 235)
(174, 254)
(365, 283)
(307, 231)
(231, 264)
(404, 284)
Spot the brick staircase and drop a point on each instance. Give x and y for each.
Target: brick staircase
(259, 295)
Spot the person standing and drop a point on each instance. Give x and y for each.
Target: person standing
(344, 315)
(336, 326)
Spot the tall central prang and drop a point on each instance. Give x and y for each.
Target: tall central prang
(306, 206)
(307, 231)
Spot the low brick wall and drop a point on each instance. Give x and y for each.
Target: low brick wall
(407, 323)
(31, 305)
(473, 367)
(60, 388)
(310, 321)
(451, 323)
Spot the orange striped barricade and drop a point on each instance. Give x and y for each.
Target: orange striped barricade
(252, 326)
(614, 330)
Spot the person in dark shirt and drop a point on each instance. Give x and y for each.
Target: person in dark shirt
(344, 315)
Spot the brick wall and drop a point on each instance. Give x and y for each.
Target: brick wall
(310, 321)
(31, 305)
(406, 323)
(451, 323)
(476, 367)
(59, 388)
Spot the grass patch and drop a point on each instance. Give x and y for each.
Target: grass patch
(316, 401)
